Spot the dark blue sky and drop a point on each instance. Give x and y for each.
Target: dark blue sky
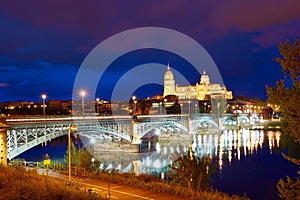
(43, 43)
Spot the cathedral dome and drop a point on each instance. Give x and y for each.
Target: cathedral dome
(168, 74)
(204, 80)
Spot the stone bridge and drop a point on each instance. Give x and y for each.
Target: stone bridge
(25, 133)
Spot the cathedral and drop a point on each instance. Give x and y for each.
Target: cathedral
(199, 91)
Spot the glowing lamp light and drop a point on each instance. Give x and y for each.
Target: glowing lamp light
(82, 93)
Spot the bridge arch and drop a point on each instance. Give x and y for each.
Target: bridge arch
(229, 120)
(156, 125)
(243, 119)
(97, 130)
(20, 140)
(254, 118)
(204, 123)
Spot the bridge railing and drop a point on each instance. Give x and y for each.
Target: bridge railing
(40, 118)
(36, 116)
(53, 168)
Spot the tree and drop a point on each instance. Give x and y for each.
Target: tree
(289, 189)
(191, 171)
(81, 157)
(74, 156)
(144, 106)
(288, 99)
(87, 161)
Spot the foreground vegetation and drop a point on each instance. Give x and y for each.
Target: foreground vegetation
(152, 183)
(189, 176)
(23, 184)
(287, 96)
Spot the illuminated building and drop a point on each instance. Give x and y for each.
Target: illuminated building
(199, 91)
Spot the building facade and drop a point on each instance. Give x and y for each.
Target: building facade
(200, 91)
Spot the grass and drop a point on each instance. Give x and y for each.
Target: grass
(19, 183)
(152, 183)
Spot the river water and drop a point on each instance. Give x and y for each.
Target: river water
(248, 162)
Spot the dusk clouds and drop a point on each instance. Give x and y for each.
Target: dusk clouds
(237, 34)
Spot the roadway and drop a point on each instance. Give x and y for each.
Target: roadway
(116, 191)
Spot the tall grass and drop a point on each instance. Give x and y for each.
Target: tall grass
(154, 184)
(19, 183)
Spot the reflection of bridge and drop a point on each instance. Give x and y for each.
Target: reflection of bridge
(27, 133)
(226, 147)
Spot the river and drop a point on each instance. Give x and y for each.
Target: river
(248, 162)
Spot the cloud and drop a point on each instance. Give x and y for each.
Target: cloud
(204, 20)
(63, 32)
(271, 36)
(255, 15)
(4, 85)
(275, 21)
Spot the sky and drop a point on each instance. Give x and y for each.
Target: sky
(44, 43)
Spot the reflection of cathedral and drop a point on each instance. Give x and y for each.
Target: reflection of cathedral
(199, 91)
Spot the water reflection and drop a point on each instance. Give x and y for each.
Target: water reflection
(225, 147)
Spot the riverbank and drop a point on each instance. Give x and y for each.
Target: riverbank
(20, 183)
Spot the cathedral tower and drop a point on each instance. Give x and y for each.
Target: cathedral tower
(204, 80)
(169, 82)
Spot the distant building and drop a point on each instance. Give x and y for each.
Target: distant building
(200, 91)
(60, 106)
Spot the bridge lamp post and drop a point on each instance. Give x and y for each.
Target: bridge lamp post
(218, 106)
(181, 108)
(82, 94)
(189, 107)
(97, 102)
(72, 128)
(196, 108)
(165, 105)
(160, 109)
(134, 104)
(44, 98)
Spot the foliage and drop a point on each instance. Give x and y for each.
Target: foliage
(81, 157)
(288, 99)
(22, 184)
(74, 156)
(289, 189)
(155, 184)
(192, 172)
(144, 106)
(36, 187)
(87, 161)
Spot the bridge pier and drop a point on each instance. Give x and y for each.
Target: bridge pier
(3, 143)
(135, 139)
(190, 126)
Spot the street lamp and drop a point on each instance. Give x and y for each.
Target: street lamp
(165, 105)
(134, 104)
(82, 94)
(135, 101)
(97, 102)
(218, 106)
(44, 97)
(71, 128)
(181, 108)
(160, 105)
(165, 101)
(189, 107)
